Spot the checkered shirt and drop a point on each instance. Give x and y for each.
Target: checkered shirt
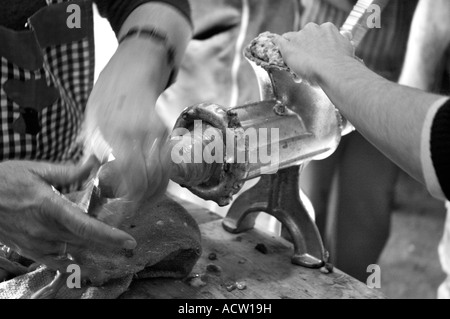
(69, 68)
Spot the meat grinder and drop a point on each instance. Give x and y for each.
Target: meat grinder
(307, 127)
(304, 126)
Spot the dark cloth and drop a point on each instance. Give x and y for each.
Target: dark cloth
(14, 14)
(47, 74)
(440, 147)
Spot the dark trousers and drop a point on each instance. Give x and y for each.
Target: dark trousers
(352, 193)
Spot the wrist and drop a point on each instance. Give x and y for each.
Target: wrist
(166, 20)
(152, 34)
(138, 51)
(144, 63)
(329, 70)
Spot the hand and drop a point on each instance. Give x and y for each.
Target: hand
(40, 224)
(313, 49)
(122, 109)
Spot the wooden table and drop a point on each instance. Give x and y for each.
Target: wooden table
(267, 276)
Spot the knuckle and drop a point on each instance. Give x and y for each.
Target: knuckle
(37, 232)
(290, 34)
(23, 245)
(43, 205)
(84, 229)
(331, 27)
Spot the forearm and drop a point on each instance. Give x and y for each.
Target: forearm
(164, 18)
(388, 115)
(146, 58)
(409, 126)
(429, 39)
(122, 103)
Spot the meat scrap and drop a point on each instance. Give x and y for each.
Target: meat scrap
(263, 48)
(266, 54)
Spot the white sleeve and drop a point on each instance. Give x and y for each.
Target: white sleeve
(428, 169)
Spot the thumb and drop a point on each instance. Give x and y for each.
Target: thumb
(85, 228)
(348, 35)
(280, 41)
(66, 175)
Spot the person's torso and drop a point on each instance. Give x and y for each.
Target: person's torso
(383, 49)
(46, 77)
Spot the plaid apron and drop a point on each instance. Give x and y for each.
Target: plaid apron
(47, 74)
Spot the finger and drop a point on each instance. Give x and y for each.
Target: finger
(55, 262)
(280, 41)
(65, 175)
(311, 26)
(52, 259)
(116, 211)
(87, 229)
(348, 35)
(158, 167)
(330, 26)
(289, 35)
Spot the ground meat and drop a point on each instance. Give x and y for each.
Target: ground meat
(263, 49)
